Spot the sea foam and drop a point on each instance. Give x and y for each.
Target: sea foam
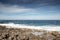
(46, 27)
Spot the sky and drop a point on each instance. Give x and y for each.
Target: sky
(29, 9)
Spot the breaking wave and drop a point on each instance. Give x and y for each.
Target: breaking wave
(46, 27)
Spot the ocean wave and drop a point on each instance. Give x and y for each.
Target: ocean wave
(46, 27)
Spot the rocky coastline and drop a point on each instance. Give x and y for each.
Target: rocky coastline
(27, 34)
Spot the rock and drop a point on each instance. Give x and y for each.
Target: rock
(49, 37)
(27, 34)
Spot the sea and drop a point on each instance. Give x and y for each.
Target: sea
(32, 22)
(50, 25)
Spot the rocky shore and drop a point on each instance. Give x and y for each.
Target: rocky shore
(27, 34)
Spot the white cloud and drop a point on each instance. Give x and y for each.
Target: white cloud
(13, 9)
(6, 8)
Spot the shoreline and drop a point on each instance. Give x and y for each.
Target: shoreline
(27, 34)
(47, 28)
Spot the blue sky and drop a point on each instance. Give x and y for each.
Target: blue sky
(29, 9)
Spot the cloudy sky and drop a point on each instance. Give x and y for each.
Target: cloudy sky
(29, 9)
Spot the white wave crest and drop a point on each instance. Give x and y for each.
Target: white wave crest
(48, 28)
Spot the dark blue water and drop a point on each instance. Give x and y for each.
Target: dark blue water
(33, 22)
